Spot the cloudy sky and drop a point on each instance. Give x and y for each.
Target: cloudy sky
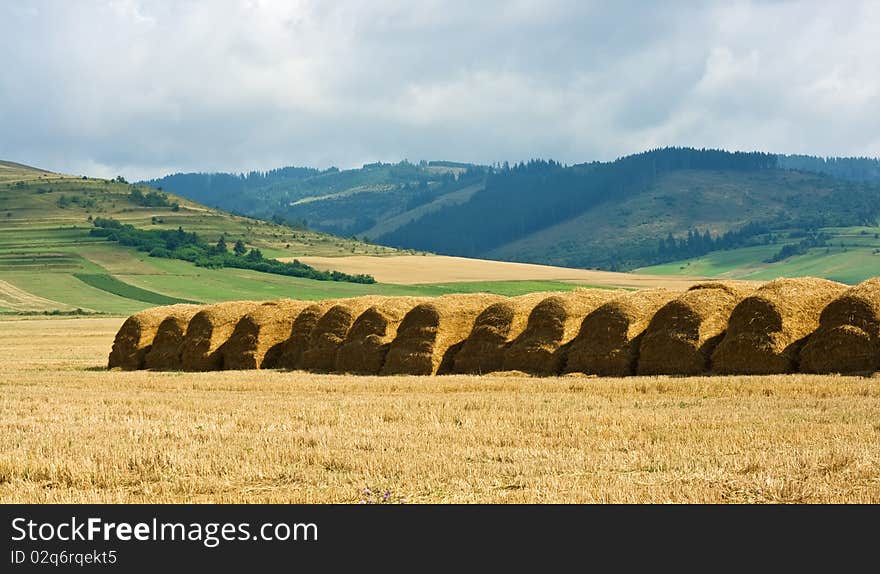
(147, 87)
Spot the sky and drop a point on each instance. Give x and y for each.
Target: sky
(151, 87)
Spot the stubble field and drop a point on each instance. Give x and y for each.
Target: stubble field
(72, 432)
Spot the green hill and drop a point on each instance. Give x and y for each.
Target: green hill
(51, 261)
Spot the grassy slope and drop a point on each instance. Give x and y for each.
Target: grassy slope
(43, 247)
(715, 200)
(853, 255)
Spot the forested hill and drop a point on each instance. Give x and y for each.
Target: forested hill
(851, 168)
(533, 196)
(653, 207)
(231, 191)
(368, 194)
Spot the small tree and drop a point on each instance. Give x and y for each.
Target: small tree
(239, 248)
(136, 196)
(255, 255)
(221, 245)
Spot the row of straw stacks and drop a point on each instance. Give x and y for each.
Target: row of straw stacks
(784, 326)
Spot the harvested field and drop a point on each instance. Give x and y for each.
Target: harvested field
(432, 333)
(684, 332)
(71, 432)
(288, 353)
(135, 337)
(164, 355)
(364, 349)
(416, 269)
(848, 338)
(552, 324)
(208, 330)
(768, 328)
(331, 330)
(608, 342)
(259, 331)
(494, 329)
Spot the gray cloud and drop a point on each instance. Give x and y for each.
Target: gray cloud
(146, 87)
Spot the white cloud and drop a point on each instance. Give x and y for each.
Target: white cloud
(145, 87)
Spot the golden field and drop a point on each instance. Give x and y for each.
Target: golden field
(72, 432)
(418, 269)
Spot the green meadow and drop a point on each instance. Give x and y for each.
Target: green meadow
(852, 254)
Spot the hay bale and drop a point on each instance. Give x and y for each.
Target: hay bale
(684, 332)
(207, 331)
(287, 354)
(494, 329)
(848, 337)
(432, 333)
(168, 344)
(768, 328)
(258, 332)
(331, 330)
(364, 349)
(552, 324)
(134, 338)
(608, 341)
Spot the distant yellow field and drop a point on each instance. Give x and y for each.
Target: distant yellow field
(415, 269)
(72, 432)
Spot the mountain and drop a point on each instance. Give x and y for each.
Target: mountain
(647, 209)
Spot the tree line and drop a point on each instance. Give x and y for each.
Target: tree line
(697, 244)
(188, 246)
(851, 168)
